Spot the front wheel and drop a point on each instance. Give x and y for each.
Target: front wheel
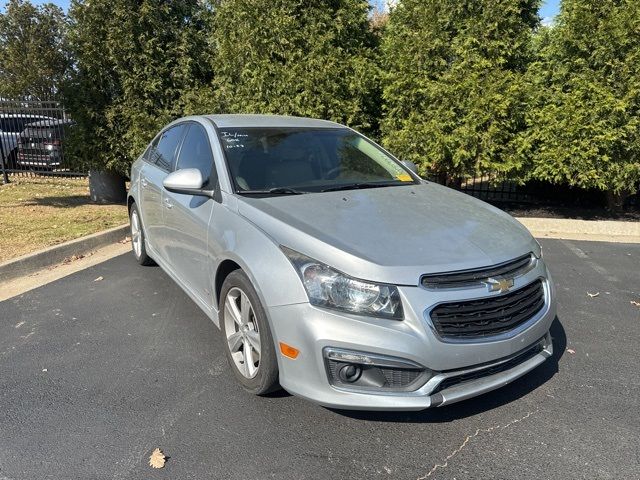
(247, 338)
(137, 238)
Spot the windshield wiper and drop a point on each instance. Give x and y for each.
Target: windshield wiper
(275, 191)
(356, 186)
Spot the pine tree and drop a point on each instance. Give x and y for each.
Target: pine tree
(454, 97)
(585, 115)
(134, 60)
(33, 56)
(293, 57)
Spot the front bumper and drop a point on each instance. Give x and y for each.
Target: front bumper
(459, 370)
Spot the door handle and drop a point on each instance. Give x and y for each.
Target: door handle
(167, 203)
(144, 182)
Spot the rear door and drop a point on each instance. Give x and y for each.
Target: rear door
(159, 163)
(187, 217)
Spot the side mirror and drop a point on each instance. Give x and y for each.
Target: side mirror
(411, 166)
(188, 182)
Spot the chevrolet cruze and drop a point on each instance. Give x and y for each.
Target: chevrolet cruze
(333, 270)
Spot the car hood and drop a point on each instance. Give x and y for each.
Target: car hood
(393, 234)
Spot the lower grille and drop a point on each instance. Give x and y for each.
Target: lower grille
(502, 367)
(376, 377)
(488, 316)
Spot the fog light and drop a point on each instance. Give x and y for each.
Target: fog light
(373, 372)
(350, 373)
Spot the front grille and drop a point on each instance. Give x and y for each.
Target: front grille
(491, 370)
(488, 316)
(462, 278)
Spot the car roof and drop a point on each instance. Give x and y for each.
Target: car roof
(247, 121)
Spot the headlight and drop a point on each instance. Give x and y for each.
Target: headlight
(329, 288)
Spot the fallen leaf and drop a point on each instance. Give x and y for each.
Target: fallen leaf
(633, 302)
(72, 258)
(157, 459)
(99, 279)
(593, 294)
(571, 351)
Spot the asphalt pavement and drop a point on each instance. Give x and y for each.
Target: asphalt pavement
(96, 374)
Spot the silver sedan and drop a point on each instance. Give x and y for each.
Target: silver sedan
(333, 270)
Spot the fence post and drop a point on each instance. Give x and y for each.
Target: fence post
(5, 177)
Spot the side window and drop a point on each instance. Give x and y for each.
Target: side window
(196, 152)
(12, 124)
(164, 148)
(147, 152)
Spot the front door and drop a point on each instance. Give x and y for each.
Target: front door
(187, 217)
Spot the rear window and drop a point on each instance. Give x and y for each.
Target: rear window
(54, 133)
(18, 124)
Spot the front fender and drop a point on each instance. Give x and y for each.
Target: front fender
(134, 184)
(260, 257)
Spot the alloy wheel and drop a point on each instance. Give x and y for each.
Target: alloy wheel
(241, 328)
(136, 234)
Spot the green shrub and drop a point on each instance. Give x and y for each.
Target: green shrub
(454, 94)
(585, 97)
(134, 60)
(293, 57)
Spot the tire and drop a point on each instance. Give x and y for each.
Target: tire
(138, 238)
(11, 160)
(240, 331)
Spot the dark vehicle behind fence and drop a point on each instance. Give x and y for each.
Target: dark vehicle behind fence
(11, 125)
(41, 144)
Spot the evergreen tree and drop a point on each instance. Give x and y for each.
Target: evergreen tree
(293, 57)
(33, 55)
(134, 59)
(585, 115)
(454, 94)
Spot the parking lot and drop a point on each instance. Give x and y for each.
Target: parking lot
(96, 374)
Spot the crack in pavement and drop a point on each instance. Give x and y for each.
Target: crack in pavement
(468, 439)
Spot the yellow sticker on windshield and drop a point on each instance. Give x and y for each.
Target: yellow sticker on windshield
(404, 177)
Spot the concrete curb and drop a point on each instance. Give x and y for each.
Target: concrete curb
(33, 262)
(590, 230)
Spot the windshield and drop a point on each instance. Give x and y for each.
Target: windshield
(301, 160)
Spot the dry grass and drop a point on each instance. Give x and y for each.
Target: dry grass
(39, 212)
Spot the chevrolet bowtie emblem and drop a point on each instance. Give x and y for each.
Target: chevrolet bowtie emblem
(499, 284)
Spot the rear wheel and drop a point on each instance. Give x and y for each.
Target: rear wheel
(137, 238)
(247, 338)
(11, 161)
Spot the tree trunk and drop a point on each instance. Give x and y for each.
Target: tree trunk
(107, 187)
(615, 201)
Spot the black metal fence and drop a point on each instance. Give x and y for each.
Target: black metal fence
(489, 187)
(33, 139)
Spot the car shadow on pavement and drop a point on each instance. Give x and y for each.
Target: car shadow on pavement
(482, 403)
